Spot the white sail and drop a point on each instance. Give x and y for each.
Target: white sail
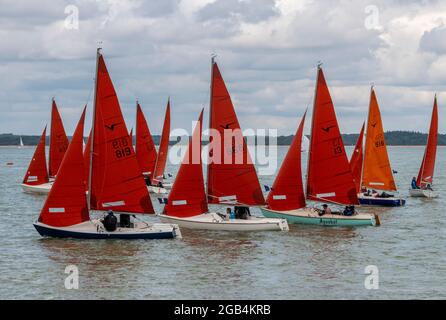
(21, 142)
(305, 143)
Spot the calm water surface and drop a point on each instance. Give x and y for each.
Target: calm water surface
(305, 263)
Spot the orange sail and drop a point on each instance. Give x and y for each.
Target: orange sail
(329, 177)
(145, 148)
(66, 204)
(161, 160)
(426, 174)
(58, 141)
(232, 176)
(287, 192)
(187, 197)
(37, 172)
(116, 182)
(377, 173)
(356, 160)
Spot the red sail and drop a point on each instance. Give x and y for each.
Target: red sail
(66, 204)
(116, 180)
(232, 176)
(161, 160)
(37, 172)
(87, 157)
(329, 176)
(426, 174)
(145, 148)
(357, 159)
(287, 192)
(188, 197)
(58, 141)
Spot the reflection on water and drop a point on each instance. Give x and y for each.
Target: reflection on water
(306, 262)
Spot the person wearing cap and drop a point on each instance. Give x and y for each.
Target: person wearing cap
(110, 221)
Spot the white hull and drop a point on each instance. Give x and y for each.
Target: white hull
(423, 193)
(212, 221)
(94, 229)
(37, 189)
(157, 190)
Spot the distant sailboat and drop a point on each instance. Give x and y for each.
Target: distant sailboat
(228, 183)
(329, 178)
(157, 180)
(36, 179)
(21, 143)
(114, 182)
(426, 174)
(376, 170)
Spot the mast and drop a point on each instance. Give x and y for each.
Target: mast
(319, 64)
(90, 174)
(210, 120)
(365, 135)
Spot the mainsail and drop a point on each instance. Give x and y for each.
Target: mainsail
(357, 159)
(232, 177)
(426, 173)
(161, 160)
(58, 141)
(329, 176)
(145, 148)
(376, 172)
(116, 181)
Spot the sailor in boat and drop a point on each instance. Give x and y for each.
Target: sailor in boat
(124, 221)
(110, 221)
(325, 210)
(429, 187)
(349, 211)
(414, 183)
(242, 212)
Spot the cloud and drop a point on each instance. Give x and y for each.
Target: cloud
(267, 51)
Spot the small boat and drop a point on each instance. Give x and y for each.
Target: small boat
(58, 141)
(427, 169)
(114, 179)
(329, 178)
(157, 179)
(376, 171)
(36, 179)
(21, 143)
(228, 182)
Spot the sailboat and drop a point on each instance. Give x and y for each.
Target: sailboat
(158, 185)
(228, 183)
(145, 147)
(36, 178)
(356, 160)
(114, 181)
(21, 143)
(329, 178)
(376, 170)
(426, 173)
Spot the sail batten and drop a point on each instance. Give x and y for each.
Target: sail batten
(426, 173)
(230, 168)
(115, 174)
(329, 177)
(377, 171)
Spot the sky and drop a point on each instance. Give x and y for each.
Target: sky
(267, 51)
